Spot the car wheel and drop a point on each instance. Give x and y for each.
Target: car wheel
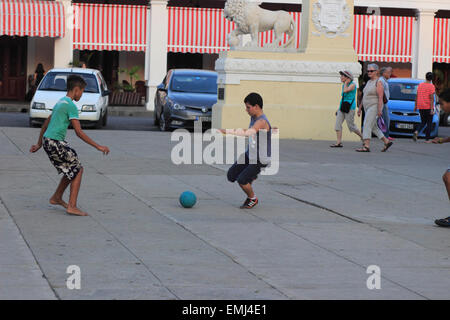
(105, 118)
(163, 126)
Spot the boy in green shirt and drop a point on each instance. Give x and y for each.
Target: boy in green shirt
(61, 155)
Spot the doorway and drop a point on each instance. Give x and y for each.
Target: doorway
(13, 67)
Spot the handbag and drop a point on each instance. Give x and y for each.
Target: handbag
(345, 105)
(381, 124)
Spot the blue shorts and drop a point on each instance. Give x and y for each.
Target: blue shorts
(245, 172)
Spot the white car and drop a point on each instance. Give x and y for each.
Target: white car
(92, 107)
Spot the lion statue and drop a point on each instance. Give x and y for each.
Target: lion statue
(251, 19)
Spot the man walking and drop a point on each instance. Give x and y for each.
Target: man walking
(425, 104)
(386, 73)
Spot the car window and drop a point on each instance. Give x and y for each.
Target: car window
(167, 79)
(57, 81)
(102, 82)
(403, 91)
(194, 83)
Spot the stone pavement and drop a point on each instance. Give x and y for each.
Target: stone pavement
(326, 217)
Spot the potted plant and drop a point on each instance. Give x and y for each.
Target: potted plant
(128, 96)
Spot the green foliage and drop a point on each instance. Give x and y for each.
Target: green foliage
(132, 73)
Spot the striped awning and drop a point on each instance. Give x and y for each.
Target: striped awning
(198, 30)
(376, 38)
(32, 18)
(203, 30)
(383, 38)
(441, 50)
(109, 27)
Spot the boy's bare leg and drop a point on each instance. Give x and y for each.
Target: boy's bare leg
(74, 189)
(248, 190)
(57, 199)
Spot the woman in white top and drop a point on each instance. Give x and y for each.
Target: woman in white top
(373, 107)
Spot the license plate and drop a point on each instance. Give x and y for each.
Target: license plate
(203, 119)
(405, 126)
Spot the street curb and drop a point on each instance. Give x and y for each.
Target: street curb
(120, 111)
(19, 107)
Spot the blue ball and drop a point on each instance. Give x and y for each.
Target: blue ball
(188, 199)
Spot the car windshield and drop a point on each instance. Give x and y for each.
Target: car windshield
(403, 91)
(57, 81)
(194, 83)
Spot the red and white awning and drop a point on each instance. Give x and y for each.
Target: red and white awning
(383, 38)
(203, 30)
(376, 38)
(109, 27)
(32, 18)
(198, 30)
(441, 48)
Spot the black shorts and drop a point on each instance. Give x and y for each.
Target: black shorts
(63, 157)
(244, 173)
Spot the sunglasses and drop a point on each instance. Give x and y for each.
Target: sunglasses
(371, 70)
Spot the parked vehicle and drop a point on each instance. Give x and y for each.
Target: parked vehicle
(403, 118)
(92, 107)
(185, 96)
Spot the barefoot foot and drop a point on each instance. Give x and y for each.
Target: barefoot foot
(76, 211)
(58, 202)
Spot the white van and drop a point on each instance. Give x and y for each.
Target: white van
(92, 107)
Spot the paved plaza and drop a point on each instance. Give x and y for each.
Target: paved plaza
(321, 221)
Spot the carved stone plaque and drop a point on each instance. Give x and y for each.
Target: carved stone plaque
(331, 17)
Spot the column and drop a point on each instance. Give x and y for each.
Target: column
(64, 46)
(423, 43)
(156, 51)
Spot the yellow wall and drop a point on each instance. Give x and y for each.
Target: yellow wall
(301, 110)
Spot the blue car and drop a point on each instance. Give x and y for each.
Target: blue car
(403, 119)
(185, 96)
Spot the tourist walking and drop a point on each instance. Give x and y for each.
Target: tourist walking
(347, 108)
(373, 105)
(386, 73)
(425, 105)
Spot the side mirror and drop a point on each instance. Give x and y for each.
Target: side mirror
(106, 93)
(161, 87)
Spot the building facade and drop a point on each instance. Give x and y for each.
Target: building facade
(115, 36)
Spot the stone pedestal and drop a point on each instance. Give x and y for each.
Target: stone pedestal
(300, 88)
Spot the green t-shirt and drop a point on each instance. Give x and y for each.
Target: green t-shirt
(64, 111)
